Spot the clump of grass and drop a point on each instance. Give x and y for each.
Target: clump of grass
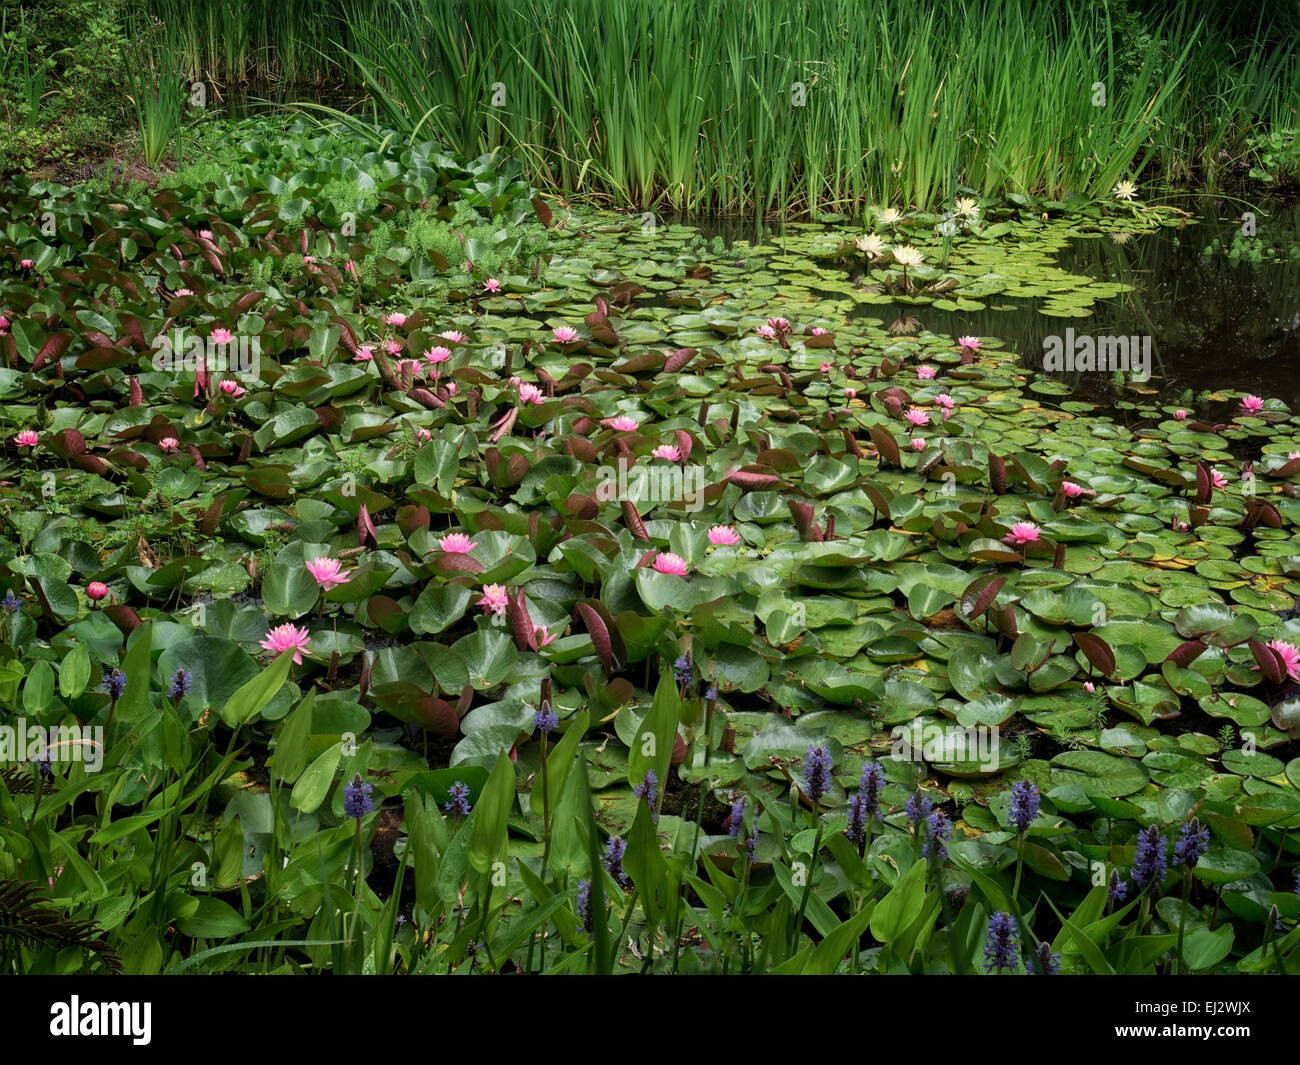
(884, 102)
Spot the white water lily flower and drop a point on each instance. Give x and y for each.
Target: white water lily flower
(890, 217)
(906, 255)
(1126, 190)
(870, 244)
(966, 207)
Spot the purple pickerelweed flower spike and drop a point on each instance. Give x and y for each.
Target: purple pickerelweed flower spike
(682, 669)
(648, 789)
(1297, 883)
(614, 851)
(1150, 863)
(584, 905)
(180, 685)
(115, 684)
(10, 602)
(1024, 805)
(918, 808)
(817, 772)
(870, 783)
(1001, 950)
(736, 821)
(736, 826)
(938, 832)
(546, 720)
(356, 798)
(1117, 889)
(1193, 841)
(857, 826)
(712, 693)
(1042, 962)
(458, 794)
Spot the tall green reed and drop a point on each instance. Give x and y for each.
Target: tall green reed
(774, 107)
(156, 95)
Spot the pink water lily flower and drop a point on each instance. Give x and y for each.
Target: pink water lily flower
(544, 636)
(1290, 655)
(1023, 532)
(364, 353)
(424, 435)
(206, 234)
(232, 388)
(1292, 455)
(945, 401)
(673, 565)
(438, 354)
(850, 393)
(1252, 404)
(531, 394)
(1218, 480)
(723, 536)
(623, 423)
(1089, 686)
(969, 343)
(467, 266)
(495, 600)
(456, 544)
(766, 331)
(27, 438)
(455, 336)
(925, 373)
(169, 443)
(1072, 490)
(667, 451)
(27, 264)
(491, 285)
(450, 386)
(396, 318)
(1180, 415)
(818, 331)
(393, 347)
(565, 334)
(916, 416)
(825, 367)
(221, 336)
(328, 572)
(96, 590)
(918, 443)
(288, 637)
(184, 292)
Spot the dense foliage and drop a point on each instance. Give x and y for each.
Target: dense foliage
(554, 590)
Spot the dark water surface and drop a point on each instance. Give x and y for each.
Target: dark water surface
(1213, 323)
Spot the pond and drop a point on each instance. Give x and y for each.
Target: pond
(1215, 318)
